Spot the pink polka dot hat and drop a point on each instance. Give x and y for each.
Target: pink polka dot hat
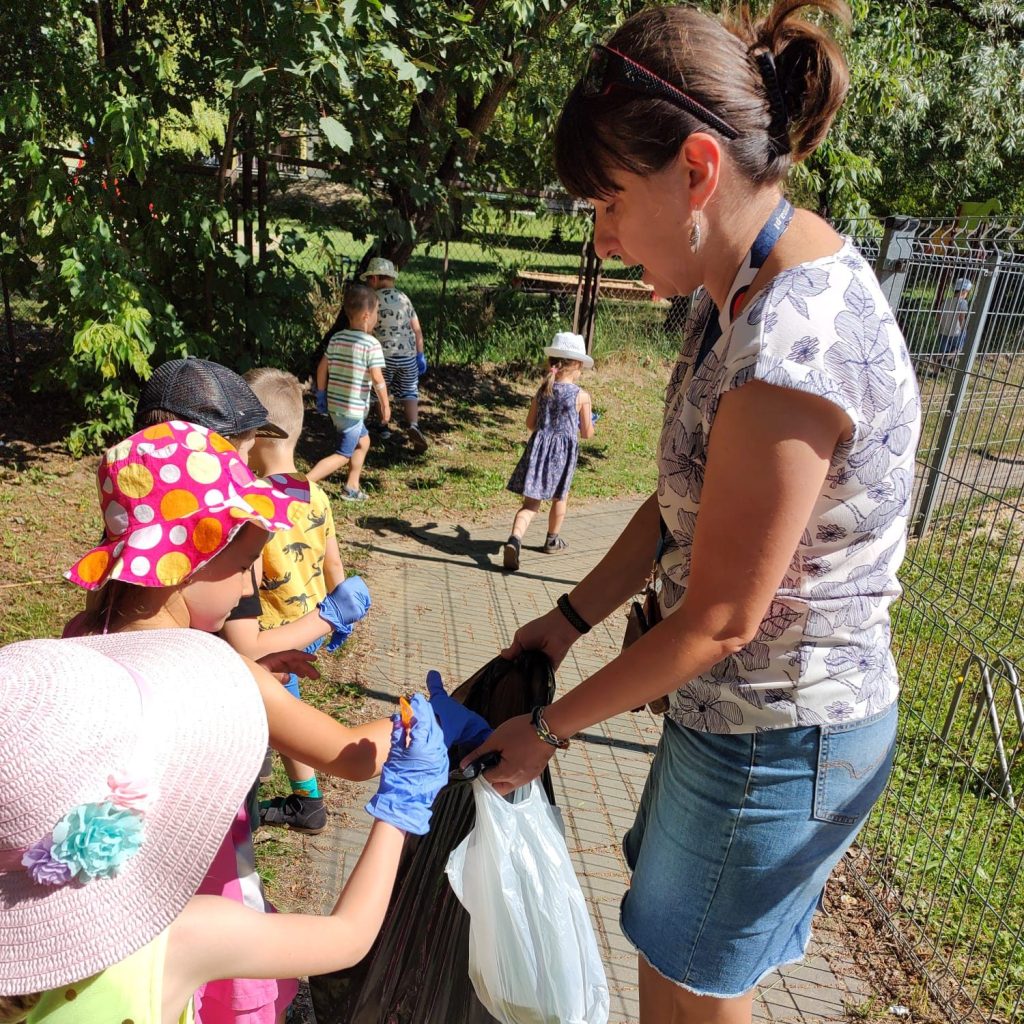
(173, 496)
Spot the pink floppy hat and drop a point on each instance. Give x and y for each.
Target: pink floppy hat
(148, 742)
(173, 496)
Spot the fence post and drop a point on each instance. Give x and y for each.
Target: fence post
(893, 255)
(989, 274)
(442, 307)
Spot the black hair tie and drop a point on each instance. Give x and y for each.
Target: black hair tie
(778, 129)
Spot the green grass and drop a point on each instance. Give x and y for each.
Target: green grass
(475, 419)
(482, 317)
(950, 849)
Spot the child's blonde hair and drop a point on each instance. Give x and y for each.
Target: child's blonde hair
(281, 394)
(556, 364)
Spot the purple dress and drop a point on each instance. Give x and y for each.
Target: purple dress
(545, 470)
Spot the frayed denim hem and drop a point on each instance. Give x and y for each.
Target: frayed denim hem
(716, 995)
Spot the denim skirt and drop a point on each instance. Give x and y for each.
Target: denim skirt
(734, 839)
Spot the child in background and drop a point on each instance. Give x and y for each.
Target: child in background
(301, 571)
(147, 740)
(559, 415)
(953, 323)
(184, 521)
(401, 338)
(352, 361)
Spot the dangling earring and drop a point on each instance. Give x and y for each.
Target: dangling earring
(695, 232)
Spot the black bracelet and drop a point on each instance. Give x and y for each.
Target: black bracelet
(575, 619)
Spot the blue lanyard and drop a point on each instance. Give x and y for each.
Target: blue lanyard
(770, 233)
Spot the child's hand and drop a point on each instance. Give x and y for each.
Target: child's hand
(345, 605)
(421, 363)
(412, 775)
(321, 401)
(458, 723)
(594, 415)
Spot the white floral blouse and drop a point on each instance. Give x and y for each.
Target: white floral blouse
(821, 654)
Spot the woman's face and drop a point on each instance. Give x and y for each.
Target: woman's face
(212, 592)
(647, 222)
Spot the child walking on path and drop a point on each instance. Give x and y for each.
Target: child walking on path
(559, 416)
(352, 361)
(147, 740)
(401, 338)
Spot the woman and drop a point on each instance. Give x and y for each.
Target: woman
(785, 468)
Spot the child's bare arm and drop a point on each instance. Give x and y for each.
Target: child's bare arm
(307, 735)
(217, 938)
(531, 416)
(321, 374)
(417, 331)
(586, 421)
(248, 639)
(377, 378)
(334, 570)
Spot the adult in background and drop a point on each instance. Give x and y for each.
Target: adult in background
(784, 474)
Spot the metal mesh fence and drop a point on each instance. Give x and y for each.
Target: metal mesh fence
(507, 278)
(942, 858)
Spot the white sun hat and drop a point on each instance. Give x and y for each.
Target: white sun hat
(569, 346)
(379, 267)
(148, 742)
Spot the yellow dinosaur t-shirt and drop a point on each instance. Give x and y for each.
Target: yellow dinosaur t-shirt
(293, 565)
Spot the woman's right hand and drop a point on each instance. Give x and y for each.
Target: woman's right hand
(550, 633)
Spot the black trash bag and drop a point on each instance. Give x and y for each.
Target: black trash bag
(418, 969)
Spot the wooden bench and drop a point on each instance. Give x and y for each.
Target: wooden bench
(566, 284)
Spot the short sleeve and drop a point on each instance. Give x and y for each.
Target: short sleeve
(329, 530)
(805, 334)
(375, 356)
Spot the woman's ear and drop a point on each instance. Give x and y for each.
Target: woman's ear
(699, 163)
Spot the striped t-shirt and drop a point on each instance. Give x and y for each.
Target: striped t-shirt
(350, 357)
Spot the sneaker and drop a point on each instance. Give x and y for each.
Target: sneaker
(553, 544)
(267, 769)
(305, 814)
(419, 443)
(510, 554)
(349, 495)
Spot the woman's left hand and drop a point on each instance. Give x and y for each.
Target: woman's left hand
(524, 755)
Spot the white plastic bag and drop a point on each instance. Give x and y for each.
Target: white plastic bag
(533, 958)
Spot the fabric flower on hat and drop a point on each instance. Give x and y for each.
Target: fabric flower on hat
(41, 865)
(94, 840)
(131, 793)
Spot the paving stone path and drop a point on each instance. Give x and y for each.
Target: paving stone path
(442, 601)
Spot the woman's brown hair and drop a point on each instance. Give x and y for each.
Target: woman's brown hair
(777, 80)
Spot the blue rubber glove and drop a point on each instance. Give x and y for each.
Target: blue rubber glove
(344, 606)
(412, 775)
(594, 416)
(458, 723)
(321, 401)
(421, 363)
